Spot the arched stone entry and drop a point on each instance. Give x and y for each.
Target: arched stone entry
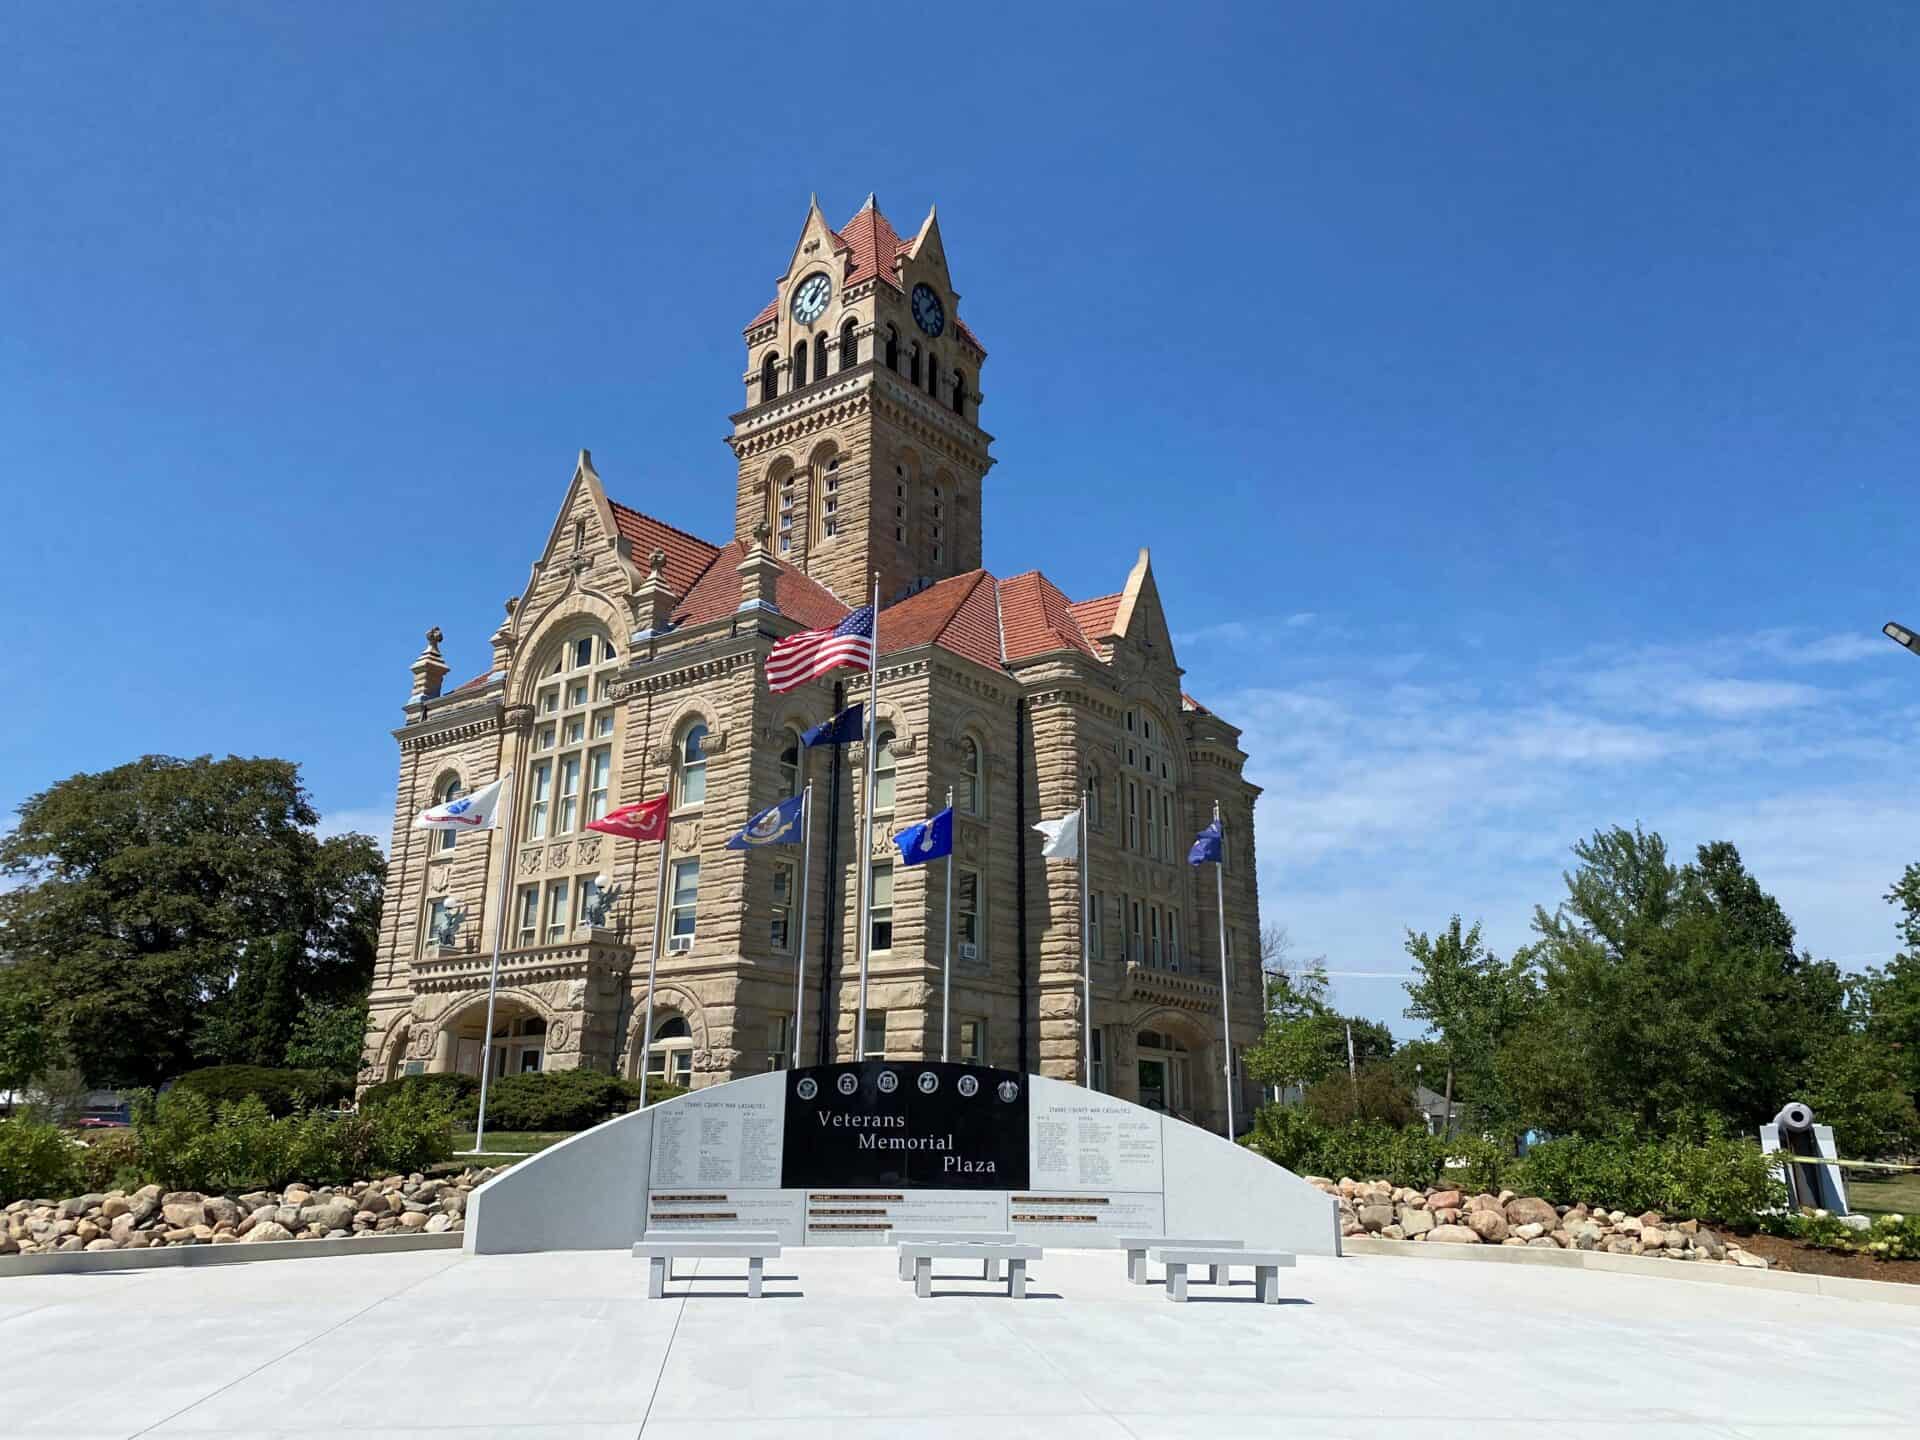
(519, 1041)
(671, 1061)
(1172, 1066)
(1163, 1071)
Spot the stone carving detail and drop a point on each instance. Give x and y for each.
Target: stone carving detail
(969, 841)
(589, 850)
(529, 862)
(557, 857)
(439, 878)
(559, 1033)
(420, 1044)
(686, 833)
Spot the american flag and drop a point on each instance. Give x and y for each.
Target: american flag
(812, 653)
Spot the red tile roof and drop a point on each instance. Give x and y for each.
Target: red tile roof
(957, 614)
(1037, 618)
(1095, 616)
(1187, 702)
(472, 684)
(717, 593)
(687, 555)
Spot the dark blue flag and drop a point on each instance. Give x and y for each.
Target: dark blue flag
(777, 826)
(842, 729)
(928, 840)
(1206, 846)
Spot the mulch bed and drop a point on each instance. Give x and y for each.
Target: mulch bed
(1805, 1260)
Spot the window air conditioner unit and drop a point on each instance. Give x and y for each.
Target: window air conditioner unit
(969, 951)
(679, 942)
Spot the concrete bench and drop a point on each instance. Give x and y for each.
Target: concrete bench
(990, 1268)
(1265, 1264)
(660, 1254)
(707, 1237)
(1137, 1247)
(922, 1253)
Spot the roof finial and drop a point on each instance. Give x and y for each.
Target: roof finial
(872, 204)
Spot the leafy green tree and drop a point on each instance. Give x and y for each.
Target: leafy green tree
(1855, 1086)
(1888, 997)
(327, 1035)
(173, 910)
(27, 1049)
(1471, 1001)
(1667, 991)
(1373, 1094)
(1305, 1038)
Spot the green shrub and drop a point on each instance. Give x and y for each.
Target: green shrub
(1368, 1150)
(185, 1143)
(1375, 1095)
(1714, 1178)
(281, 1091)
(37, 1162)
(454, 1091)
(556, 1100)
(110, 1160)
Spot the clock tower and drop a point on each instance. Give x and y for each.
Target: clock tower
(860, 446)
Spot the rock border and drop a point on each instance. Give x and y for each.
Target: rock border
(1793, 1282)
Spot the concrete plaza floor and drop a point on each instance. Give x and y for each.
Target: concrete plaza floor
(538, 1347)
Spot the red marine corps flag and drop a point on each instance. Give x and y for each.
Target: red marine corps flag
(645, 821)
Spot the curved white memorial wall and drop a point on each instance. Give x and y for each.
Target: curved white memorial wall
(841, 1154)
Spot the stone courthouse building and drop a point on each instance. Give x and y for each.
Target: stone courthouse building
(633, 662)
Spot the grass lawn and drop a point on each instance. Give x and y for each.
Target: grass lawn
(518, 1142)
(1888, 1194)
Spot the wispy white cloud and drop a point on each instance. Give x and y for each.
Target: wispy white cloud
(1300, 618)
(371, 820)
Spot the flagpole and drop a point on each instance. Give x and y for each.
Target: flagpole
(1220, 901)
(505, 834)
(653, 958)
(866, 829)
(1086, 951)
(946, 962)
(800, 946)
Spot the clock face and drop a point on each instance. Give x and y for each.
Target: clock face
(928, 313)
(810, 300)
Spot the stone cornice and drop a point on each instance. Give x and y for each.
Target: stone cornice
(435, 732)
(799, 413)
(1177, 990)
(676, 674)
(468, 970)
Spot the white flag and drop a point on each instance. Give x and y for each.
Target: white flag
(469, 812)
(1063, 837)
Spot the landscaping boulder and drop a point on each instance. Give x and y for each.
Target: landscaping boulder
(1489, 1225)
(1532, 1211)
(1373, 1218)
(1452, 1235)
(266, 1230)
(1415, 1223)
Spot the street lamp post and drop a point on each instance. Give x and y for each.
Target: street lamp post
(1901, 635)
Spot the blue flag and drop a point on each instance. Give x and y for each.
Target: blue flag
(1206, 846)
(777, 826)
(928, 840)
(842, 729)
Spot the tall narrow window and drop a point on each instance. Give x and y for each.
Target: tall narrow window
(779, 1041)
(558, 919)
(1153, 936)
(969, 776)
(1099, 1058)
(884, 769)
(539, 797)
(966, 909)
(1166, 826)
(1153, 831)
(599, 774)
(769, 377)
(820, 356)
(528, 930)
(692, 779)
(880, 911)
(829, 499)
(1093, 799)
(780, 909)
(799, 364)
(893, 349)
(913, 363)
(959, 392)
(786, 512)
(1135, 941)
(1133, 815)
(973, 1042)
(683, 902)
(1173, 939)
(1093, 926)
(446, 795)
(791, 755)
(933, 372)
(849, 345)
(569, 794)
(876, 1034)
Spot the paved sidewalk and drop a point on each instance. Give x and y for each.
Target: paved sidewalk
(540, 1347)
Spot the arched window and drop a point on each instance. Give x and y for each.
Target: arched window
(913, 364)
(792, 763)
(799, 364)
(893, 349)
(671, 1062)
(969, 791)
(690, 780)
(769, 377)
(884, 769)
(849, 345)
(959, 392)
(933, 373)
(450, 790)
(1093, 799)
(826, 507)
(820, 356)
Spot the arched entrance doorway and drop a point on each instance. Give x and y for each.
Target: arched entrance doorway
(1165, 1071)
(519, 1041)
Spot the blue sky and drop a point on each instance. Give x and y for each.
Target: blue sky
(1518, 399)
